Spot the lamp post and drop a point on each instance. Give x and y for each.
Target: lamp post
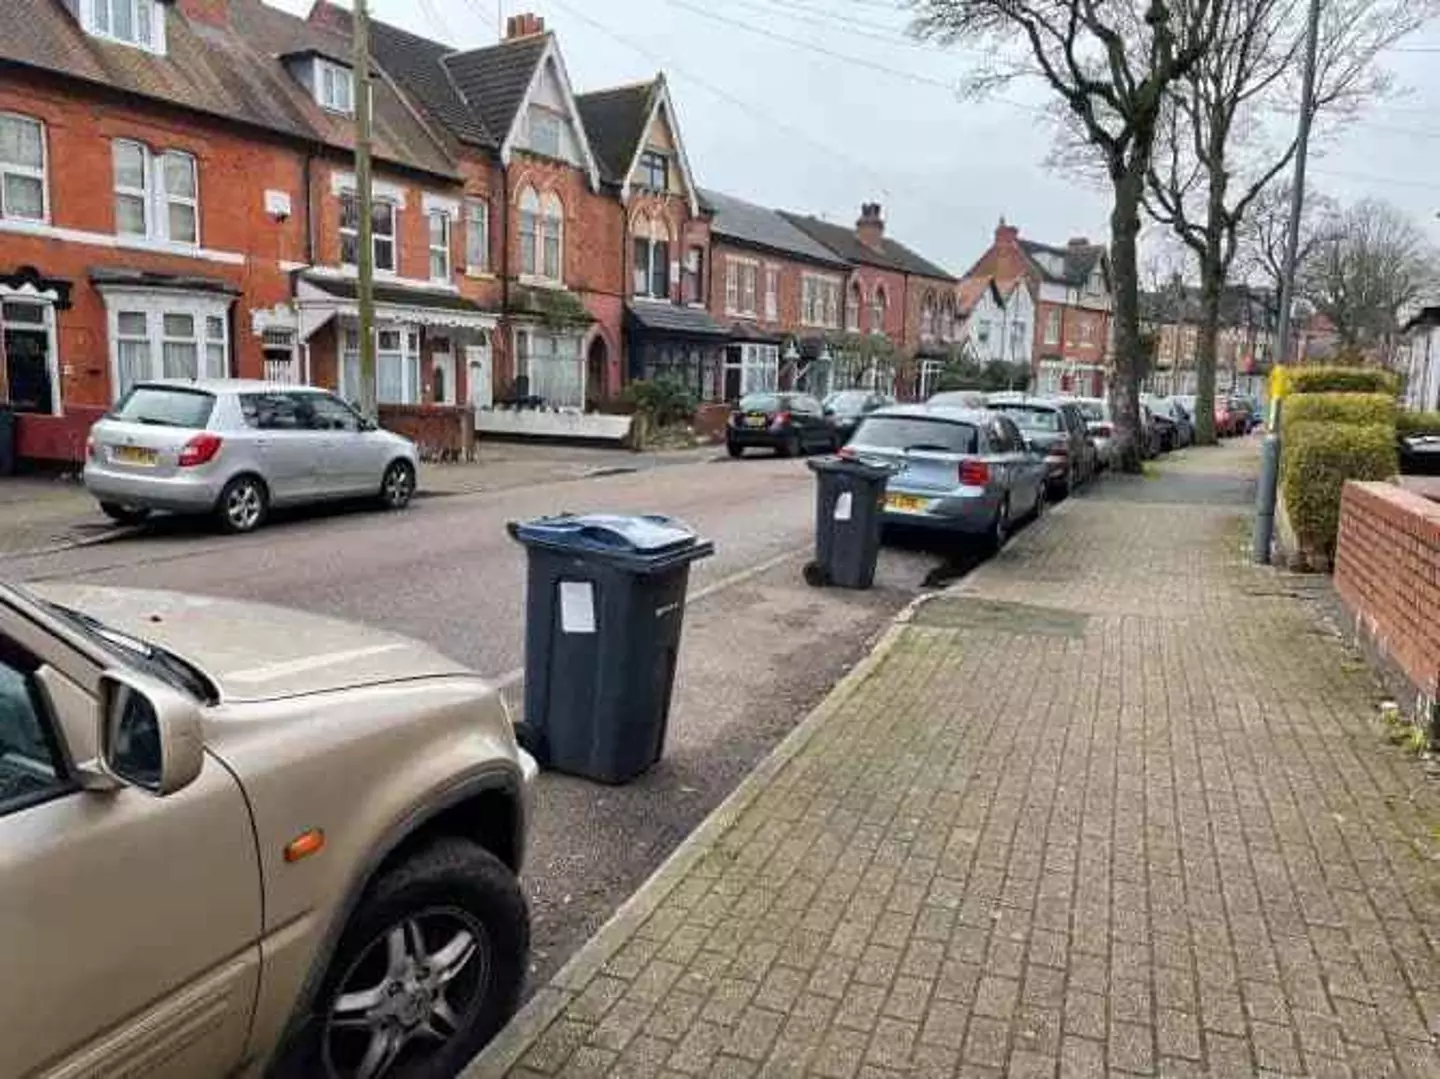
(791, 357)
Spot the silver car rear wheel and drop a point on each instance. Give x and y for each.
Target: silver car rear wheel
(398, 486)
(243, 504)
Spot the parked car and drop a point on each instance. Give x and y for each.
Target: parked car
(1101, 426)
(1058, 430)
(846, 408)
(236, 449)
(1151, 445)
(1229, 421)
(1247, 413)
(1172, 422)
(244, 840)
(960, 470)
(788, 423)
(959, 399)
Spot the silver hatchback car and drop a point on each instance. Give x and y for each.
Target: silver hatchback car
(236, 448)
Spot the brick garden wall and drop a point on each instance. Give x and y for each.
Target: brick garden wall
(1387, 573)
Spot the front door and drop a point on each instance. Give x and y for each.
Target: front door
(27, 367)
(129, 923)
(442, 376)
(479, 374)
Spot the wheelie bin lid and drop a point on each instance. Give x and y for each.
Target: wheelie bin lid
(643, 542)
(869, 468)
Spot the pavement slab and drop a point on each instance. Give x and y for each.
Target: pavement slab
(1115, 804)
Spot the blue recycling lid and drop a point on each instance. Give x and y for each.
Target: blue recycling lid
(607, 533)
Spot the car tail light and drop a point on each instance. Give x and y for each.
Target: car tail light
(1059, 450)
(974, 473)
(92, 448)
(200, 450)
(781, 419)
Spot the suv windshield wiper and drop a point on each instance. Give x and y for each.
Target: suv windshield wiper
(155, 659)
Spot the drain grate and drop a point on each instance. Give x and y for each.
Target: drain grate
(964, 612)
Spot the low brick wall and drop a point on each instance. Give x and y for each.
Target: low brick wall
(442, 432)
(1387, 574)
(54, 440)
(710, 421)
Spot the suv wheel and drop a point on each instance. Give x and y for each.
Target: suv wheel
(999, 529)
(243, 504)
(398, 486)
(428, 970)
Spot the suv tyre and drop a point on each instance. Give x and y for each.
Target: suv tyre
(428, 969)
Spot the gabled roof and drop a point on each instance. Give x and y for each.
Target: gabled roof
(843, 241)
(1078, 261)
(417, 64)
(494, 80)
(745, 223)
(615, 120)
(973, 288)
(234, 72)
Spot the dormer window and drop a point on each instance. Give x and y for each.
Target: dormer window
(334, 87)
(134, 22)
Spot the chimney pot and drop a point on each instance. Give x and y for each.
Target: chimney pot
(526, 24)
(870, 229)
(1079, 241)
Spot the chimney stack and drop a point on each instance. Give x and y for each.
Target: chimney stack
(527, 24)
(871, 227)
(1006, 233)
(213, 12)
(1079, 241)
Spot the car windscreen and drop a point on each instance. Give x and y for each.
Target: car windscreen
(165, 406)
(1031, 418)
(761, 402)
(917, 433)
(847, 402)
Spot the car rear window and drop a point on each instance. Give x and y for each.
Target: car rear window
(1030, 418)
(917, 433)
(165, 406)
(760, 402)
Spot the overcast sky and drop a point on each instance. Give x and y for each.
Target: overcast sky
(819, 105)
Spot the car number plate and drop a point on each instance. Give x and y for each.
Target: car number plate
(134, 455)
(906, 503)
(754, 421)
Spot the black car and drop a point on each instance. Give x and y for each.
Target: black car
(788, 423)
(1058, 430)
(846, 408)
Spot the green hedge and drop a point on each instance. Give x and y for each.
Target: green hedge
(1348, 408)
(1418, 423)
(1343, 380)
(1318, 458)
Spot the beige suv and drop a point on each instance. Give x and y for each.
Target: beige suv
(238, 840)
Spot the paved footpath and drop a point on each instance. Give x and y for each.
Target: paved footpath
(1118, 804)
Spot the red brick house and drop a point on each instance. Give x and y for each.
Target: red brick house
(666, 227)
(780, 295)
(1070, 286)
(894, 291)
(218, 133)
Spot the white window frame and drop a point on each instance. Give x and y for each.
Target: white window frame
(407, 354)
(155, 304)
(655, 233)
(561, 349)
(376, 238)
(552, 228)
(772, 292)
(856, 300)
(879, 306)
(439, 251)
(155, 196)
(98, 18)
(339, 75)
(740, 273)
(28, 171)
(477, 235)
(1053, 326)
(759, 368)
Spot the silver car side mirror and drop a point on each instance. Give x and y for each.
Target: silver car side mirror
(150, 733)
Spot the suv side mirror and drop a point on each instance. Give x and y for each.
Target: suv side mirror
(150, 735)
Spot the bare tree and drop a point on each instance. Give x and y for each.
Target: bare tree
(1374, 264)
(1215, 159)
(1111, 64)
(1262, 234)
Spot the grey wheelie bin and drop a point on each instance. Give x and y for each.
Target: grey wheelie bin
(849, 504)
(605, 601)
(7, 440)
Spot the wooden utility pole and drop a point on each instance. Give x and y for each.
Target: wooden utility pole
(364, 197)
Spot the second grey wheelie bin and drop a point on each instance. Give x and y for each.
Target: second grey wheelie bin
(849, 506)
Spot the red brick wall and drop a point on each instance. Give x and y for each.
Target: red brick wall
(235, 168)
(440, 432)
(1387, 573)
(897, 303)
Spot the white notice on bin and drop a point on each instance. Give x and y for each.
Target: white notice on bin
(843, 503)
(577, 607)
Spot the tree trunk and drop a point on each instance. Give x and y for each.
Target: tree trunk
(1129, 359)
(1212, 284)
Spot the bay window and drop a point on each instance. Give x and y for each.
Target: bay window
(157, 195)
(161, 334)
(22, 168)
(751, 368)
(397, 366)
(740, 286)
(552, 365)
